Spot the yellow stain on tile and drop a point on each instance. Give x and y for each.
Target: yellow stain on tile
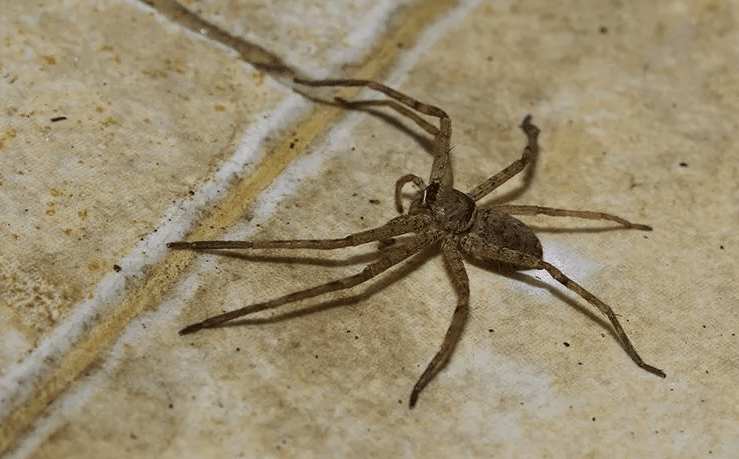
(8, 134)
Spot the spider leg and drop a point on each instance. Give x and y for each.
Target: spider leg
(588, 214)
(462, 285)
(607, 311)
(531, 150)
(441, 170)
(526, 261)
(395, 227)
(418, 181)
(390, 258)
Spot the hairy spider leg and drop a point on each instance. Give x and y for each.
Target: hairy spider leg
(454, 261)
(400, 183)
(399, 225)
(441, 170)
(586, 214)
(390, 258)
(529, 153)
(526, 261)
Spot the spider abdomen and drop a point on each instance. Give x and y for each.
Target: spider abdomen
(497, 229)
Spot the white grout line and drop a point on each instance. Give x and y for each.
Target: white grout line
(19, 379)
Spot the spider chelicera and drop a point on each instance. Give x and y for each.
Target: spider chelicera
(441, 216)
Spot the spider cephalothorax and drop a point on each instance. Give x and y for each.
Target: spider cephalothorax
(441, 216)
(452, 210)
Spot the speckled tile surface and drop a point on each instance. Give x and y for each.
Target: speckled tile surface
(126, 125)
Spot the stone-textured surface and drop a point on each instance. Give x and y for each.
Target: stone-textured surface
(637, 104)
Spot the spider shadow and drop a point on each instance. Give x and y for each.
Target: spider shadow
(423, 140)
(403, 270)
(557, 290)
(384, 280)
(571, 300)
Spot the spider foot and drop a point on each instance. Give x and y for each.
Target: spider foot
(179, 245)
(653, 370)
(191, 329)
(530, 129)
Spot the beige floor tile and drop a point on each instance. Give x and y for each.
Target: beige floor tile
(126, 126)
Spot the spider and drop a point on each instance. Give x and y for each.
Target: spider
(441, 216)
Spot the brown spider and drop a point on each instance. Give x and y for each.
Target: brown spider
(441, 215)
